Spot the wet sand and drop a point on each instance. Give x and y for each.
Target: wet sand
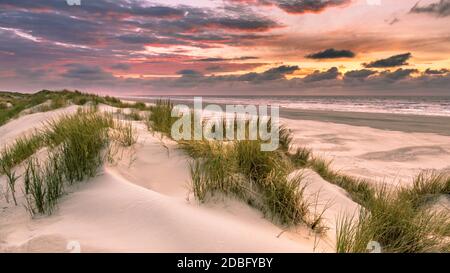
(392, 122)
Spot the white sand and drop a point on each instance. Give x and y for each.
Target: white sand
(143, 203)
(26, 124)
(391, 157)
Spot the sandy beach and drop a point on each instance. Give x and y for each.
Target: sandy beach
(143, 202)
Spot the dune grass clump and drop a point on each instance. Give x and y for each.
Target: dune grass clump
(285, 137)
(44, 184)
(82, 137)
(135, 115)
(35, 185)
(241, 169)
(283, 197)
(19, 151)
(47, 100)
(11, 179)
(124, 134)
(301, 157)
(215, 173)
(426, 186)
(160, 118)
(77, 143)
(398, 222)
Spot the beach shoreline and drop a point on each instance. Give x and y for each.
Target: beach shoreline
(409, 123)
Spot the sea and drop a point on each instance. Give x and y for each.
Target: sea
(426, 106)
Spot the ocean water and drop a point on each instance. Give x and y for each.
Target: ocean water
(429, 106)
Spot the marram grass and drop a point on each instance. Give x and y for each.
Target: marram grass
(78, 143)
(399, 221)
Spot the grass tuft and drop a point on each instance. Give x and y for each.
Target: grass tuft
(77, 142)
(397, 223)
(124, 134)
(160, 118)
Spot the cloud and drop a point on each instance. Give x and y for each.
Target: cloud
(393, 21)
(393, 61)
(330, 74)
(121, 66)
(297, 6)
(189, 73)
(32, 73)
(137, 39)
(331, 53)
(359, 74)
(440, 9)
(97, 22)
(398, 74)
(86, 73)
(52, 26)
(214, 68)
(191, 77)
(308, 6)
(276, 73)
(442, 71)
(218, 59)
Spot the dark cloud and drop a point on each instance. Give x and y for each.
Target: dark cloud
(393, 61)
(359, 74)
(398, 74)
(189, 72)
(331, 53)
(121, 66)
(297, 6)
(442, 71)
(214, 68)
(52, 26)
(192, 77)
(308, 6)
(272, 74)
(97, 22)
(116, 8)
(330, 74)
(243, 23)
(32, 73)
(440, 9)
(394, 21)
(86, 73)
(276, 73)
(400, 81)
(218, 59)
(137, 39)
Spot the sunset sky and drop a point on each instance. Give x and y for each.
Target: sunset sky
(227, 47)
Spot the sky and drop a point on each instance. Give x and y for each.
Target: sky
(227, 47)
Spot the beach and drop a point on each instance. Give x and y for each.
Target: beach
(143, 202)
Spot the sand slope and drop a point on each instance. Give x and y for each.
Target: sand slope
(28, 123)
(142, 204)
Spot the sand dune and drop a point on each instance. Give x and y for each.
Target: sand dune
(142, 203)
(28, 123)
